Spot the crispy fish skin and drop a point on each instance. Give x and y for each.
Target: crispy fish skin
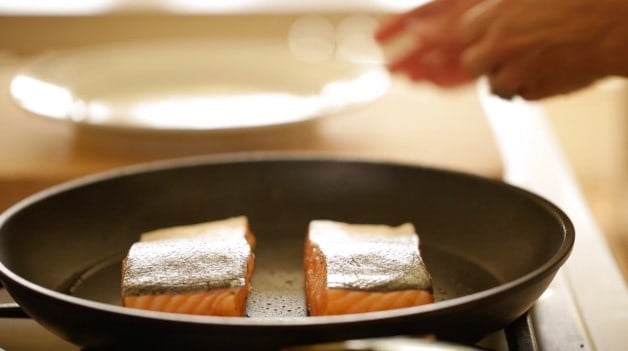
(201, 269)
(353, 268)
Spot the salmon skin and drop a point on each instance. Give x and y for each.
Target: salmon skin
(195, 269)
(355, 268)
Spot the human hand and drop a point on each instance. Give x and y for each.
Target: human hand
(531, 48)
(540, 48)
(436, 51)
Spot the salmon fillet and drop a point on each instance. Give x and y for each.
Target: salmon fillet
(197, 269)
(354, 268)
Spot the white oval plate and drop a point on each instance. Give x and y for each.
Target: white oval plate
(192, 85)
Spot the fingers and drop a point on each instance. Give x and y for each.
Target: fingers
(521, 75)
(541, 73)
(479, 59)
(436, 53)
(521, 47)
(446, 73)
(509, 81)
(398, 24)
(436, 67)
(409, 59)
(430, 62)
(391, 28)
(490, 53)
(480, 34)
(475, 22)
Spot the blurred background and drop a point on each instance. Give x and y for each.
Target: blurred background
(592, 125)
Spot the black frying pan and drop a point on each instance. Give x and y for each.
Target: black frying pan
(492, 248)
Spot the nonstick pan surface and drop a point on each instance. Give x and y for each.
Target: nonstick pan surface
(492, 248)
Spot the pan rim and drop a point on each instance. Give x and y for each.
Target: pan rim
(552, 265)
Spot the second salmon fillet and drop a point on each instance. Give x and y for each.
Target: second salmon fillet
(354, 268)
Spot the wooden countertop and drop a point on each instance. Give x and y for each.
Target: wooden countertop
(411, 123)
